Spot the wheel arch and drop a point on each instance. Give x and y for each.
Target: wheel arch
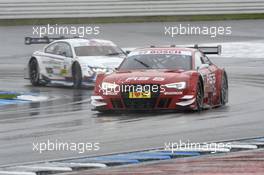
(225, 75)
(77, 81)
(35, 81)
(37, 59)
(73, 65)
(200, 78)
(28, 64)
(32, 58)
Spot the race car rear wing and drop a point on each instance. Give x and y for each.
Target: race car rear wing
(209, 49)
(43, 40)
(205, 49)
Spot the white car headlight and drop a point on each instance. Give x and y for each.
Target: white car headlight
(90, 71)
(87, 71)
(99, 69)
(179, 85)
(106, 86)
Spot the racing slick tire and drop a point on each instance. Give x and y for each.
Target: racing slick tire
(224, 90)
(34, 72)
(199, 96)
(77, 75)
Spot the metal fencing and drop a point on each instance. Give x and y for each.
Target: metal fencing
(24, 9)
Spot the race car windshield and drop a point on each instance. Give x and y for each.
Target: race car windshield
(157, 61)
(97, 51)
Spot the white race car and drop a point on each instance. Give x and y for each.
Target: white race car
(72, 62)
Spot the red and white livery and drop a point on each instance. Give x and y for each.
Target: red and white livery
(169, 78)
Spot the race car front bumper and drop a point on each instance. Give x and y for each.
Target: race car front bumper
(187, 100)
(112, 103)
(97, 101)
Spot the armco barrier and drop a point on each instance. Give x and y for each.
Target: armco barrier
(26, 9)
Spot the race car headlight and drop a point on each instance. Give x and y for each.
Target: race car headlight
(87, 70)
(107, 86)
(90, 71)
(99, 69)
(179, 85)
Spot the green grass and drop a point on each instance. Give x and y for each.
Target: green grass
(8, 96)
(10, 22)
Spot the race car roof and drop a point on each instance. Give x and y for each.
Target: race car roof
(75, 42)
(163, 50)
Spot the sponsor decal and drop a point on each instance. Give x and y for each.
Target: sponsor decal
(49, 70)
(63, 72)
(162, 51)
(169, 51)
(145, 79)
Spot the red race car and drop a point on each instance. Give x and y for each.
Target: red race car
(157, 78)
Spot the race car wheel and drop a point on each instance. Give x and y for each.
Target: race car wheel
(34, 72)
(224, 91)
(77, 76)
(199, 96)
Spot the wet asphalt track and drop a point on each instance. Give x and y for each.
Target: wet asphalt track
(67, 116)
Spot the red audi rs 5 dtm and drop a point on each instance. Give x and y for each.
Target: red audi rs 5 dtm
(158, 78)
